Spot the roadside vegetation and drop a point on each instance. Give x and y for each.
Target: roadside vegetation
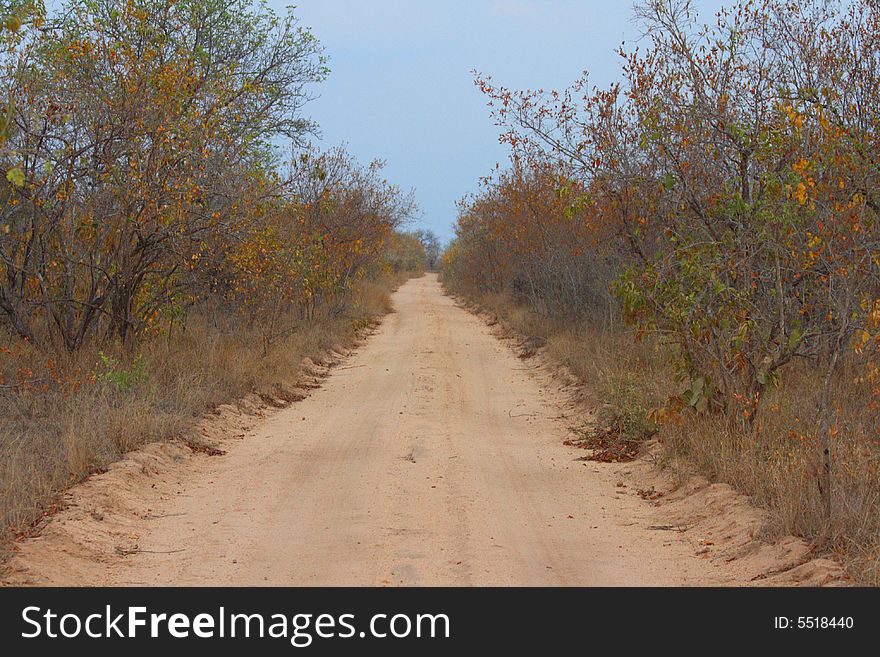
(169, 240)
(700, 243)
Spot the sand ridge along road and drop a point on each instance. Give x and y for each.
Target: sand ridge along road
(431, 456)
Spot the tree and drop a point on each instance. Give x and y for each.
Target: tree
(733, 175)
(431, 245)
(130, 121)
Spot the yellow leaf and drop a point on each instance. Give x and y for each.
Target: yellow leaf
(15, 176)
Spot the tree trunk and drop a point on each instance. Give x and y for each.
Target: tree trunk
(825, 475)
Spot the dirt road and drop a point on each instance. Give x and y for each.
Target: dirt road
(432, 456)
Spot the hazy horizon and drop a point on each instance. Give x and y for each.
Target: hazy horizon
(401, 87)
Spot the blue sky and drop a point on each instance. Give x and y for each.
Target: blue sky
(400, 87)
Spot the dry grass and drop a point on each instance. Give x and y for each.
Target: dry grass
(627, 376)
(76, 414)
(776, 464)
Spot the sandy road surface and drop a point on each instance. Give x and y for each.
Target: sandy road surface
(430, 457)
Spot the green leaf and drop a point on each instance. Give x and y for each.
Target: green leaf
(13, 23)
(697, 392)
(15, 176)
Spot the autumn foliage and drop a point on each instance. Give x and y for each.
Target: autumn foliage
(169, 239)
(144, 175)
(728, 186)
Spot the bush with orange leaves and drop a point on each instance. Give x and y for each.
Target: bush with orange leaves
(731, 177)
